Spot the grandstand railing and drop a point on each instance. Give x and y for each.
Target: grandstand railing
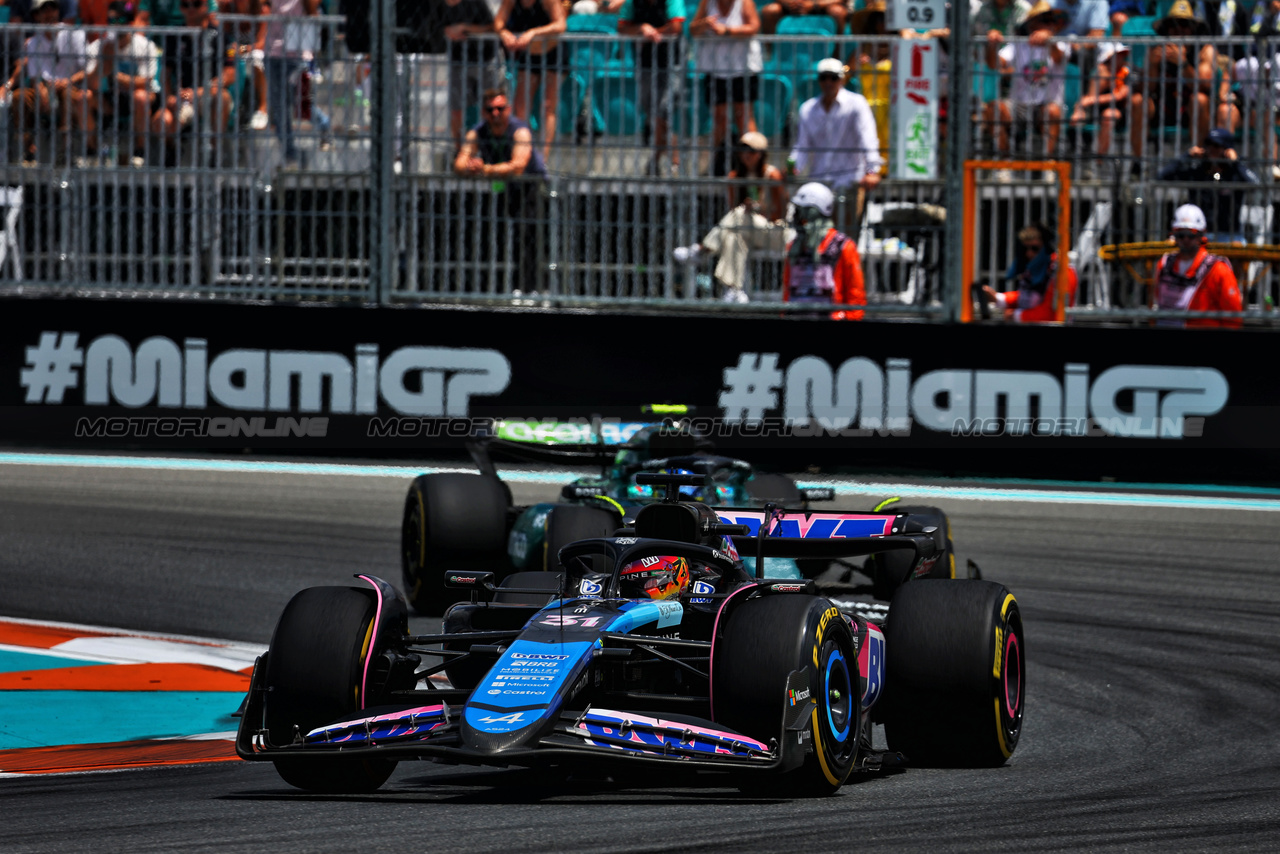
(235, 210)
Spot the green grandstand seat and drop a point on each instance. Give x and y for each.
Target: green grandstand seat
(800, 59)
(615, 98)
(773, 107)
(1139, 25)
(594, 55)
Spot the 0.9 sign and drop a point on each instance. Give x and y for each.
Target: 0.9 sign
(915, 14)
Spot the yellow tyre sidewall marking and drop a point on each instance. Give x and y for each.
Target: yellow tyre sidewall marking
(995, 672)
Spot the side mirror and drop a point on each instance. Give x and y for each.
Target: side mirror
(574, 492)
(818, 493)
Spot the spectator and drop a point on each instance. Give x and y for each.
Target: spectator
(823, 265)
(1038, 71)
(836, 142)
(731, 60)
(249, 41)
(473, 64)
(1215, 163)
(1254, 71)
(1085, 19)
(869, 21)
(999, 19)
(290, 45)
(1106, 104)
(756, 219)
(22, 11)
(1120, 11)
(527, 31)
(1174, 89)
(195, 98)
(1033, 276)
(163, 13)
(777, 10)
(658, 77)
(55, 62)
(123, 68)
(500, 148)
(1190, 279)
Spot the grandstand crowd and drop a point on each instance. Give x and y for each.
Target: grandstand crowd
(1178, 93)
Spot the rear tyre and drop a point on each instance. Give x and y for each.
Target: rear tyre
(888, 570)
(569, 523)
(451, 522)
(315, 675)
(777, 488)
(762, 642)
(955, 679)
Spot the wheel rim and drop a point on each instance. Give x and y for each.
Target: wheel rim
(838, 694)
(1011, 700)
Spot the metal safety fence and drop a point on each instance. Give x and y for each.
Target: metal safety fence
(240, 158)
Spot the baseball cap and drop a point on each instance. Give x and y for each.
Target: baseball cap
(37, 5)
(755, 140)
(831, 65)
(1188, 218)
(1109, 49)
(1220, 137)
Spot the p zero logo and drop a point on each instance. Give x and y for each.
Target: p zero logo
(824, 619)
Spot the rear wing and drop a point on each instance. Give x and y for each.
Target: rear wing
(827, 536)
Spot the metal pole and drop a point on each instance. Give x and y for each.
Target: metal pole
(382, 107)
(957, 153)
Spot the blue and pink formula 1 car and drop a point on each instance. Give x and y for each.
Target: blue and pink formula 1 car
(653, 646)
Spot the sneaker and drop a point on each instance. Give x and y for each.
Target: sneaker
(259, 120)
(687, 254)
(736, 296)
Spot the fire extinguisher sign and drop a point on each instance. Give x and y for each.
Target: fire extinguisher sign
(913, 110)
(915, 14)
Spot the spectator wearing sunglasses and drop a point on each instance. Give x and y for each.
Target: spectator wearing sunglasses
(500, 149)
(837, 143)
(1033, 279)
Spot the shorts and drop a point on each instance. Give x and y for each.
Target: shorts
(1028, 113)
(468, 81)
(735, 90)
(536, 64)
(657, 95)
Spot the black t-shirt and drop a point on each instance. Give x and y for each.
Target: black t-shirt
(192, 60)
(467, 12)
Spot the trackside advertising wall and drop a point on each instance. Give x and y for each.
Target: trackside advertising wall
(303, 379)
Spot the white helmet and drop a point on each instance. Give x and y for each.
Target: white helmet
(815, 195)
(1190, 218)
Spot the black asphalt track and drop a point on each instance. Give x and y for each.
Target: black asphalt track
(1153, 723)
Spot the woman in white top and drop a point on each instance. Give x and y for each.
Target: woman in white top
(730, 57)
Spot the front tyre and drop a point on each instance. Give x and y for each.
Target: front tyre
(762, 642)
(316, 675)
(955, 673)
(451, 522)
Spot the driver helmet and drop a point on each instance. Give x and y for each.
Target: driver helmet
(813, 197)
(654, 577)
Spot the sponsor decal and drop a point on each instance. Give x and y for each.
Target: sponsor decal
(702, 587)
(788, 588)
(513, 718)
(587, 587)
(624, 541)
(461, 579)
(421, 381)
(859, 398)
(649, 561)
(798, 696)
(669, 614)
(819, 526)
(537, 656)
(871, 663)
(925, 566)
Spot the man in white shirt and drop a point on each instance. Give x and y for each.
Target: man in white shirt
(837, 143)
(54, 62)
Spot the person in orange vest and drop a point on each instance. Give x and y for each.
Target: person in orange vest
(1190, 279)
(1034, 276)
(823, 265)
